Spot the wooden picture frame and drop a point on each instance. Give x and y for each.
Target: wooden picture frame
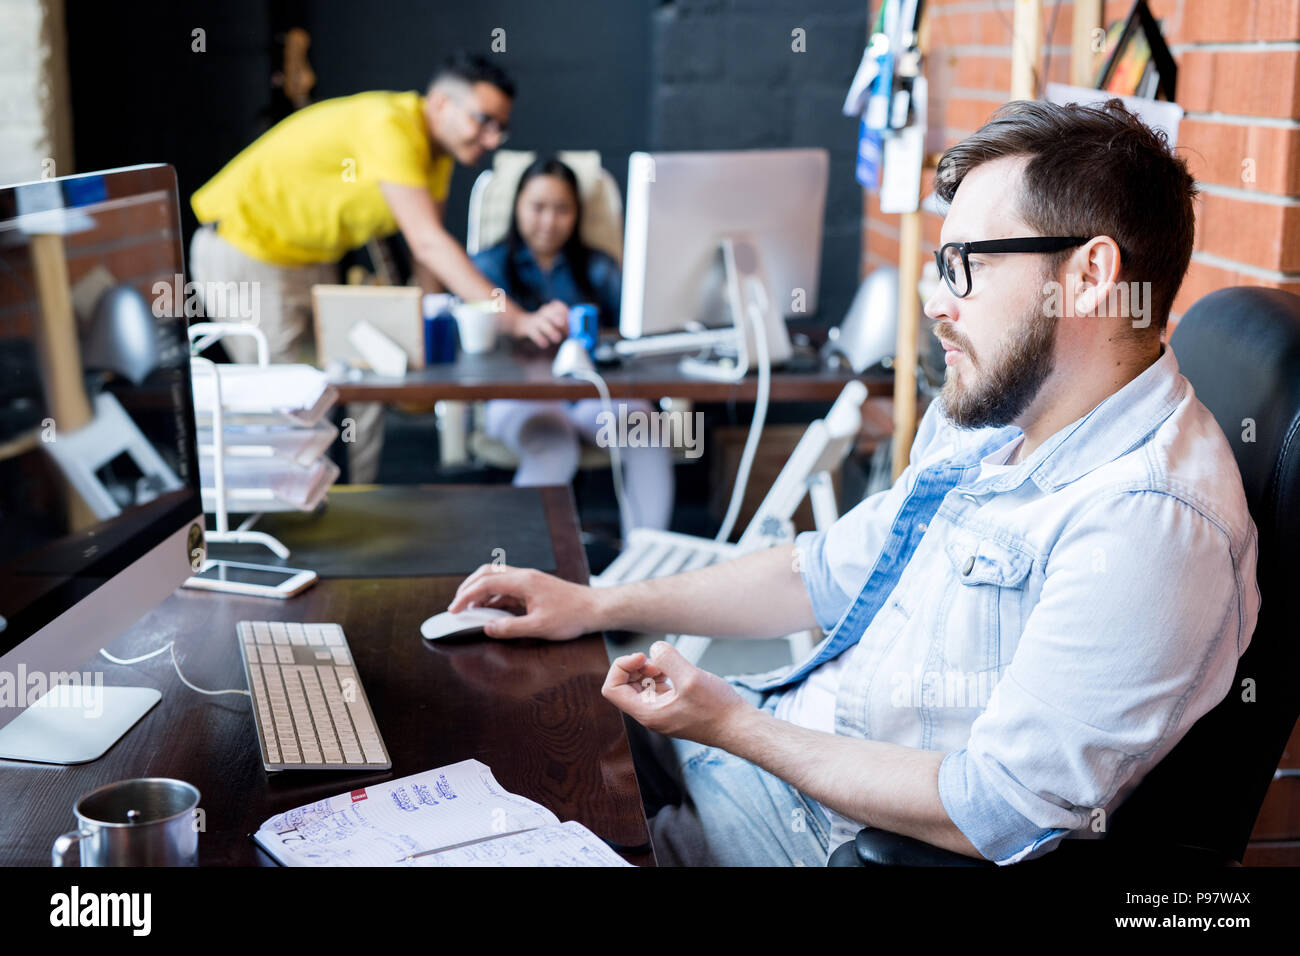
(1140, 29)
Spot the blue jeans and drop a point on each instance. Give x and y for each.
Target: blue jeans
(707, 807)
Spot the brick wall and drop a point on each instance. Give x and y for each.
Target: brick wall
(1239, 82)
(134, 240)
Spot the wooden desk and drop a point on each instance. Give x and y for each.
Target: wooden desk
(524, 372)
(530, 710)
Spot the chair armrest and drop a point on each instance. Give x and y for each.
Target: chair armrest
(874, 847)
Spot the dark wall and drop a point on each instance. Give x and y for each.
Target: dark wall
(727, 78)
(579, 65)
(612, 75)
(140, 93)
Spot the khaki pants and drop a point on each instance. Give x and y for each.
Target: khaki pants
(280, 300)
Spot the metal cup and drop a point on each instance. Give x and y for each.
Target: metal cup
(144, 822)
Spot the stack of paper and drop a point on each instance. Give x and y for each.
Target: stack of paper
(268, 484)
(299, 445)
(274, 436)
(289, 394)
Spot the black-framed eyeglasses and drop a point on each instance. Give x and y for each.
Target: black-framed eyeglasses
(953, 258)
(488, 124)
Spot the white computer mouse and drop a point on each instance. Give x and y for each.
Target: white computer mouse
(447, 624)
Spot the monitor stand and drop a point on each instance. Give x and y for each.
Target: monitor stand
(748, 301)
(75, 723)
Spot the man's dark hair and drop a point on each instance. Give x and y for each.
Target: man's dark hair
(475, 68)
(1093, 171)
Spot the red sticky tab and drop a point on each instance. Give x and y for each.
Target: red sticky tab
(358, 795)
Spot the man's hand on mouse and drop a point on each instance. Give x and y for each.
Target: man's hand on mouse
(552, 609)
(664, 692)
(667, 693)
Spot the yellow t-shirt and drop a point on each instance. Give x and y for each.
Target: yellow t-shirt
(307, 190)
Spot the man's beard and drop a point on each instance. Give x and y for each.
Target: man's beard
(1007, 382)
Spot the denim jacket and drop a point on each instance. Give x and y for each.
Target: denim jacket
(1057, 628)
(535, 287)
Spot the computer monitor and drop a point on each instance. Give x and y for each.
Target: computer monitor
(700, 227)
(100, 511)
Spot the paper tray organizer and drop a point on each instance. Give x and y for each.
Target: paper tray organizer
(262, 436)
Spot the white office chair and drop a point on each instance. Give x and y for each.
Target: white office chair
(461, 435)
(656, 554)
(493, 194)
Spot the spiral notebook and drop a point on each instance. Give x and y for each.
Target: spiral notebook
(456, 815)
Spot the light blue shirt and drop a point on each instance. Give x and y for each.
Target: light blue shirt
(534, 287)
(1057, 627)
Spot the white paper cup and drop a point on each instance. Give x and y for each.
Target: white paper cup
(477, 327)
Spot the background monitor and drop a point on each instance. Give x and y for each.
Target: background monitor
(100, 511)
(680, 206)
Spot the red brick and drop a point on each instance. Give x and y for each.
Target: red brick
(1207, 21)
(1168, 12)
(931, 224)
(966, 28)
(1064, 29)
(1058, 70)
(125, 263)
(1249, 232)
(980, 72)
(1276, 20)
(1216, 153)
(959, 28)
(1245, 82)
(1203, 278)
(874, 215)
(1240, 21)
(963, 113)
(871, 262)
(1200, 280)
(881, 245)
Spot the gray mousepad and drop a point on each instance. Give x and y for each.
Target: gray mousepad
(407, 531)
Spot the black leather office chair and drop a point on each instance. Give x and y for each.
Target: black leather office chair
(1240, 349)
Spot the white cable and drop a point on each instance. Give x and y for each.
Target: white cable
(169, 646)
(615, 458)
(755, 317)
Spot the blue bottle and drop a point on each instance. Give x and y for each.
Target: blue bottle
(582, 325)
(441, 340)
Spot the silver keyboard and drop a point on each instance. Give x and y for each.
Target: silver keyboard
(308, 703)
(667, 343)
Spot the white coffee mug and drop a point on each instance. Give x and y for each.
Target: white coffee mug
(477, 327)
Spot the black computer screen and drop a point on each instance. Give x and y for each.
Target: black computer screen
(98, 460)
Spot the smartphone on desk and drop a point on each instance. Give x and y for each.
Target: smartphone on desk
(255, 580)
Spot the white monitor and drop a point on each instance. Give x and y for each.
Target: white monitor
(680, 209)
(100, 513)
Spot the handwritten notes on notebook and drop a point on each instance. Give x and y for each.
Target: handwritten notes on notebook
(456, 815)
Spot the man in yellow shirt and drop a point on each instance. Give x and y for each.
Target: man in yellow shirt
(338, 173)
